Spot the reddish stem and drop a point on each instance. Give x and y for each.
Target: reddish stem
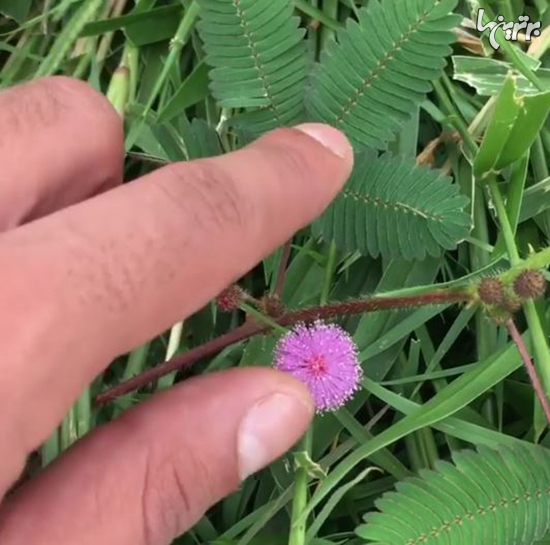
(183, 360)
(524, 353)
(373, 304)
(253, 328)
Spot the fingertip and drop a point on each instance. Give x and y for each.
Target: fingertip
(297, 388)
(269, 428)
(302, 169)
(332, 139)
(273, 423)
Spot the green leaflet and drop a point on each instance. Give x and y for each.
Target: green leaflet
(192, 90)
(259, 60)
(490, 496)
(391, 207)
(370, 79)
(200, 139)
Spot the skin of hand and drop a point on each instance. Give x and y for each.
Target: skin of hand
(91, 269)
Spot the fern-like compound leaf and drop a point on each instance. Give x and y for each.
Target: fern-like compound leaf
(391, 207)
(490, 496)
(259, 60)
(380, 67)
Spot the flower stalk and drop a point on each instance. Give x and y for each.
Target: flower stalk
(540, 344)
(529, 367)
(298, 523)
(405, 298)
(249, 329)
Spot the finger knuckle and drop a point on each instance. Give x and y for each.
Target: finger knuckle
(60, 101)
(209, 194)
(93, 111)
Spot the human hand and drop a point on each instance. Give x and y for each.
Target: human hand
(91, 269)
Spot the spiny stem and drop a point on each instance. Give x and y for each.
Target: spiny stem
(539, 260)
(191, 356)
(530, 368)
(373, 304)
(135, 364)
(540, 343)
(542, 353)
(249, 329)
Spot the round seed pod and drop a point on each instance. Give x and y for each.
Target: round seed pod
(529, 284)
(272, 305)
(230, 298)
(490, 290)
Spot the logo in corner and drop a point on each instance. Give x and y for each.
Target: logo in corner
(511, 29)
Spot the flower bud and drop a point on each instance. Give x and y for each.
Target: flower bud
(272, 305)
(490, 291)
(529, 284)
(230, 298)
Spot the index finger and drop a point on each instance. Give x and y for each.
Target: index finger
(93, 281)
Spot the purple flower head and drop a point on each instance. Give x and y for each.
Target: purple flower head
(324, 357)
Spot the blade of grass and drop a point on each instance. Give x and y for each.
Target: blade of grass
(454, 397)
(68, 35)
(176, 45)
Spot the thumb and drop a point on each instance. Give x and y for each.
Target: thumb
(149, 476)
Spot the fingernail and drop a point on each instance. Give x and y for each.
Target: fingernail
(331, 138)
(270, 428)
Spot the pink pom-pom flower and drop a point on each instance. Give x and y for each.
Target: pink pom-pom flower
(324, 357)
